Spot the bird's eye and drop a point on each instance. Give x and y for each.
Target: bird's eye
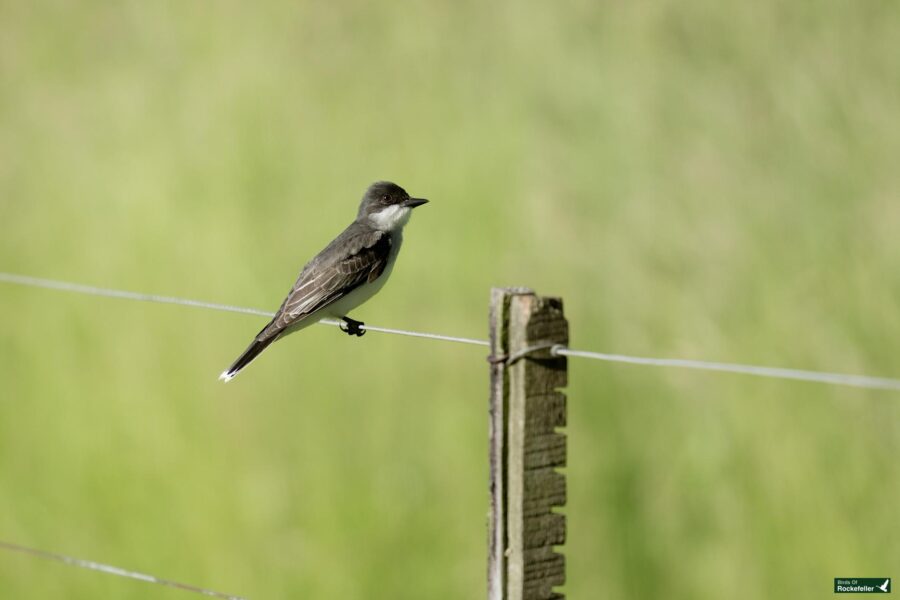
(385, 198)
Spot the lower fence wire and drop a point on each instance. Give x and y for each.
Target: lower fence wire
(110, 570)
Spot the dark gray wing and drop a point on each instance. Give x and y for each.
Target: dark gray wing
(359, 255)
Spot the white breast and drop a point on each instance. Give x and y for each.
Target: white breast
(342, 307)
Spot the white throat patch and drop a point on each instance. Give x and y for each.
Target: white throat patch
(390, 218)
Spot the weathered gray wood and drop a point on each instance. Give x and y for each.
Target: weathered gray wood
(525, 448)
(499, 316)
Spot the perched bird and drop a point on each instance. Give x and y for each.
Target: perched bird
(349, 271)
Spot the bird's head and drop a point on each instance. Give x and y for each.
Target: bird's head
(387, 206)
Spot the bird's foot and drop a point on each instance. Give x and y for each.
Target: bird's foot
(351, 327)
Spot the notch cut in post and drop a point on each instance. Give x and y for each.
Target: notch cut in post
(525, 448)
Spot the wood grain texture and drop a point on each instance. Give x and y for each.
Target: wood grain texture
(497, 415)
(526, 448)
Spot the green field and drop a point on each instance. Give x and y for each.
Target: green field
(695, 179)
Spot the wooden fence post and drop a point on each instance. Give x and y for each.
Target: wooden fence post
(525, 449)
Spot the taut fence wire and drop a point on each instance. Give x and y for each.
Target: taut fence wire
(117, 571)
(859, 381)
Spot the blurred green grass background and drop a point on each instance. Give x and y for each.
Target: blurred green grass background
(696, 179)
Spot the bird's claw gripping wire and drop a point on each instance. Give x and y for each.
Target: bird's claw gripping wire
(351, 327)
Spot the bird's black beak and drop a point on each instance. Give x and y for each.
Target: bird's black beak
(414, 202)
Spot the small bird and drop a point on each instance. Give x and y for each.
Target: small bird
(349, 271)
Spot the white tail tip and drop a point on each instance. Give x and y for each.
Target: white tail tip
(226, 377)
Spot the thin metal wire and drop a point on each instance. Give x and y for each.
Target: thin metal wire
(117, 571)
(860, 381)
(527, 352)
(78, 288)
(418, 334)
(65, 286)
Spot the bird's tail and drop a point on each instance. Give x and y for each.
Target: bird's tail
(252, 351)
